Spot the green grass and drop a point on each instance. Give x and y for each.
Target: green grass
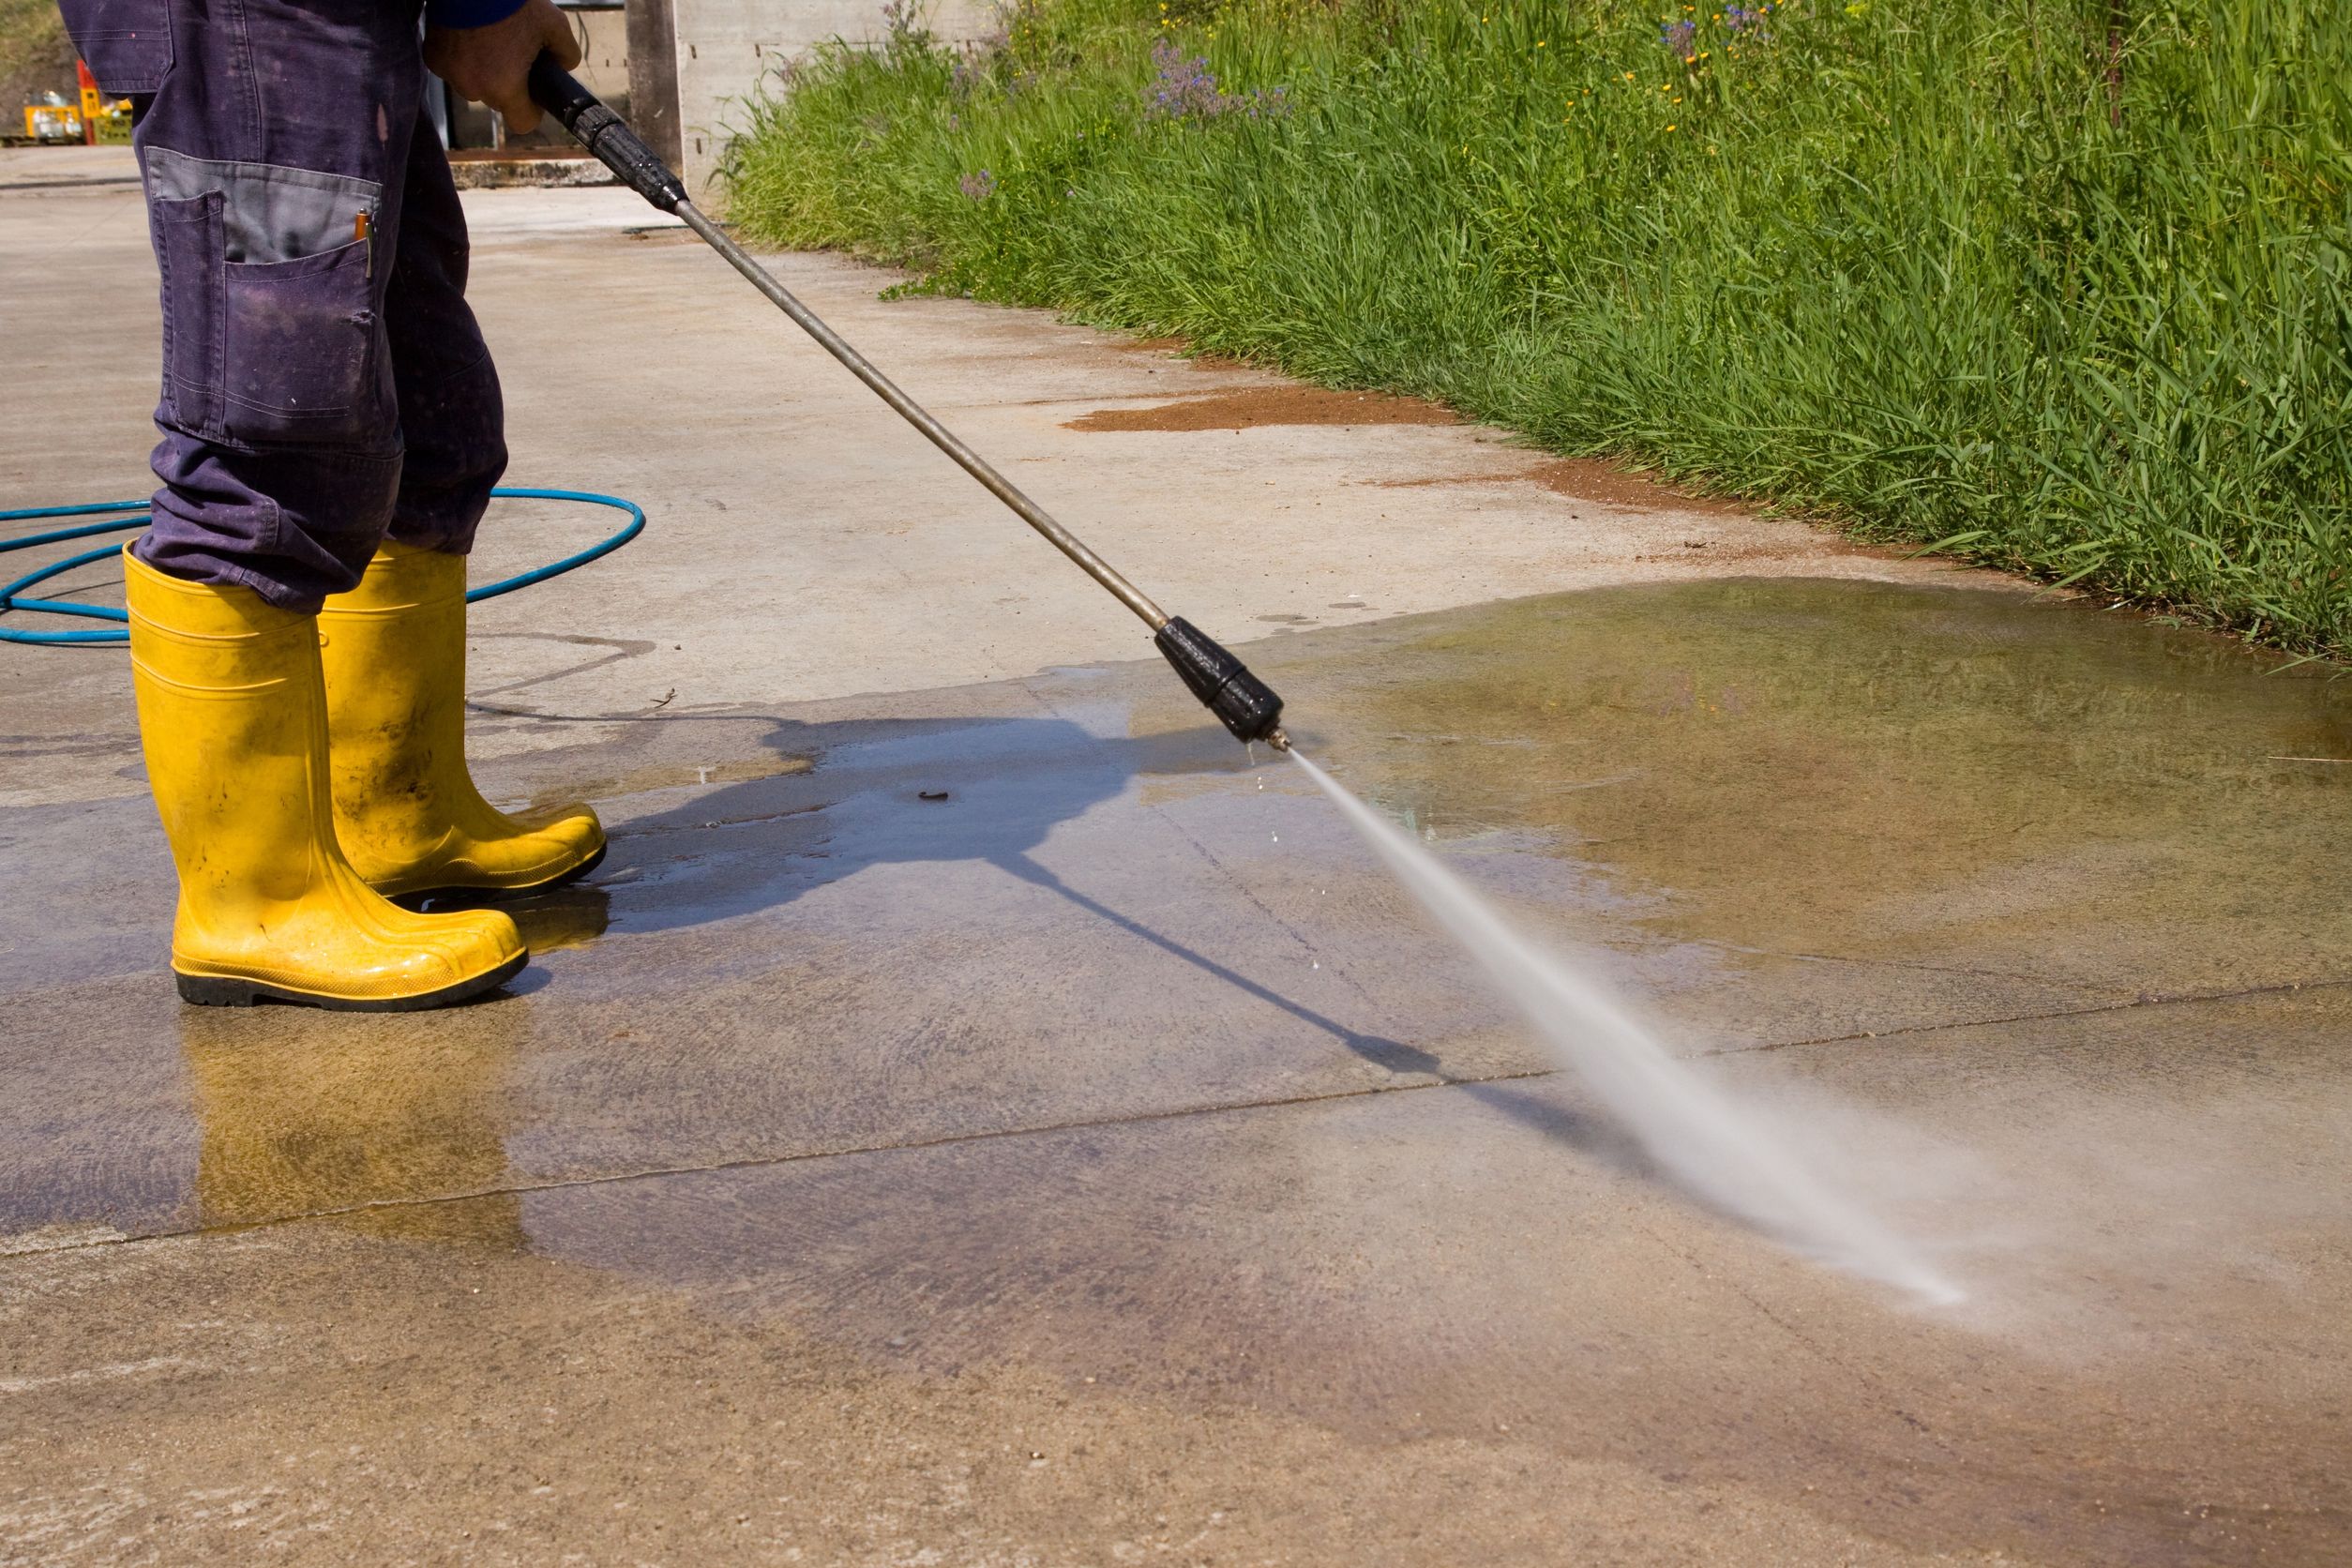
(1925, 267)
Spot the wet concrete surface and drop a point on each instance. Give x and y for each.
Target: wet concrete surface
(1007, 1122)
(1924, 777)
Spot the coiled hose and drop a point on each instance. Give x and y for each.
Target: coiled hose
(12, 597)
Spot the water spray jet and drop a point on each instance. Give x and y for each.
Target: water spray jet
(1696, 1133)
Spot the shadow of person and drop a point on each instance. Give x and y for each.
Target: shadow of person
(1545, 1115)
(877, 792)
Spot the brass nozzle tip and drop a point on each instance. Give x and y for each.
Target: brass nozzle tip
(1278, 739)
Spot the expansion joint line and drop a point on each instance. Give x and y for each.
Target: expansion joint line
(2168, 999)
(758, 1162)
(1083, 1124)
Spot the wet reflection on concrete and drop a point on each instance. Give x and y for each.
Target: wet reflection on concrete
(349, 1125)
(551, 920)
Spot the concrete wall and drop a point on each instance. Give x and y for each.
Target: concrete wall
(604, 65)
(722, 50)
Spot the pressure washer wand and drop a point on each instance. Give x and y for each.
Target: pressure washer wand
(1245, 705)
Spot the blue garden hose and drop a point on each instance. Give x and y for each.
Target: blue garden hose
(11, 596)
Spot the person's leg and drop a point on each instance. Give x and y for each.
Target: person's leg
(273, 151)
(452, 414)
(406, 811)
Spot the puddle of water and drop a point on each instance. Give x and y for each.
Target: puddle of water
(1935, 776)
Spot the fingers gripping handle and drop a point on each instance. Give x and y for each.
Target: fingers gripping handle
(601, 131)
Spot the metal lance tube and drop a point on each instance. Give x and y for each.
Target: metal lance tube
(1243, 702)
(914, 414)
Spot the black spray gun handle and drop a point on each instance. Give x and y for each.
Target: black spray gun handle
(601, 131)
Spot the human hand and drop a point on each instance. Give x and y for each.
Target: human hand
(492, 65)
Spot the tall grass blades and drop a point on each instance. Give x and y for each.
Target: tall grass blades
(2061, 285)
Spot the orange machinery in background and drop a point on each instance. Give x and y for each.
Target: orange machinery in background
(60, 121)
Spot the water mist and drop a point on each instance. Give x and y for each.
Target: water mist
(1685, 1121)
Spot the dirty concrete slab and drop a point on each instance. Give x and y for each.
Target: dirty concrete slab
(444, 1401)
(978, 1111)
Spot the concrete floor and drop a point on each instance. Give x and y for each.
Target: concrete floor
(1102, 1162)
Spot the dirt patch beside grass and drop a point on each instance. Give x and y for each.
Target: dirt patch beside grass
(1270, 405)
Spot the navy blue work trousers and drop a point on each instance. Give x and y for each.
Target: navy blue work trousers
(323, 379)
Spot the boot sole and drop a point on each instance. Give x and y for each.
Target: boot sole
(213, 991)
(486, 891)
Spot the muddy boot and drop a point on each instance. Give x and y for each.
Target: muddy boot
(406, 811)
(232, 720)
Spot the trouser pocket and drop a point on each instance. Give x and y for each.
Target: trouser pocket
(188, 242)
(300, 361)
(270, 286)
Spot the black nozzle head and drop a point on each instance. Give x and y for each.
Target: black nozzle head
(602, 132)
(1243, 702)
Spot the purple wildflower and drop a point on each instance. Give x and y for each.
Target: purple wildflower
(1183, 89)
(1186, 89)
(1739, 21)
(979, 186)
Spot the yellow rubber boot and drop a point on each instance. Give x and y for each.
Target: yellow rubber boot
(406, 811)
(233, 718)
